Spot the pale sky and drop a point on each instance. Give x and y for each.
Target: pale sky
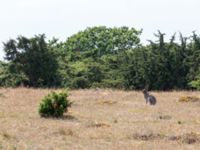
(62, 18)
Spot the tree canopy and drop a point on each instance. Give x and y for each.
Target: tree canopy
(33, 58)
(103, 57)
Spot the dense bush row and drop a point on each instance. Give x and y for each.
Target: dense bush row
(103, 57)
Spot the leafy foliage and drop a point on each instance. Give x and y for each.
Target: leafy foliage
(10, 78)
(98, 41)
(103, 57)
(195, 83)
(54, 105)
(34, 58)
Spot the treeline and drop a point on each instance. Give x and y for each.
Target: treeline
(102, 57)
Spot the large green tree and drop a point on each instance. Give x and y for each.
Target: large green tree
(160, 65)
(89, 56)
(34, 57)
(98, 41)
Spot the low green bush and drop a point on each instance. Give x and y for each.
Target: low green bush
(54, 104)
(80, 83)
(196, 83)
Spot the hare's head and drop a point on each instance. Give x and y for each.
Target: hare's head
(144, 90)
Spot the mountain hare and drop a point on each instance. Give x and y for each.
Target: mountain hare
(148, 97)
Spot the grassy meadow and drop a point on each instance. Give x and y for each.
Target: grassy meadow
(100, 120)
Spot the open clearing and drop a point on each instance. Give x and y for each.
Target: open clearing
(100, 120)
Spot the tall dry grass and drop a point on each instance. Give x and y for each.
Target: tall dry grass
(100, 120)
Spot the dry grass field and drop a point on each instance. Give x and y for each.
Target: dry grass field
(100, 120)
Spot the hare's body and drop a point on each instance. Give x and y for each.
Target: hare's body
(149, 98)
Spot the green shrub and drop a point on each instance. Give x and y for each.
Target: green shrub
(9, 78)
(195, 84)
(80, 82)
(111, 83)
(54, 105)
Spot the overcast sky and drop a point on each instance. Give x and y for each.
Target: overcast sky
(62, 18)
